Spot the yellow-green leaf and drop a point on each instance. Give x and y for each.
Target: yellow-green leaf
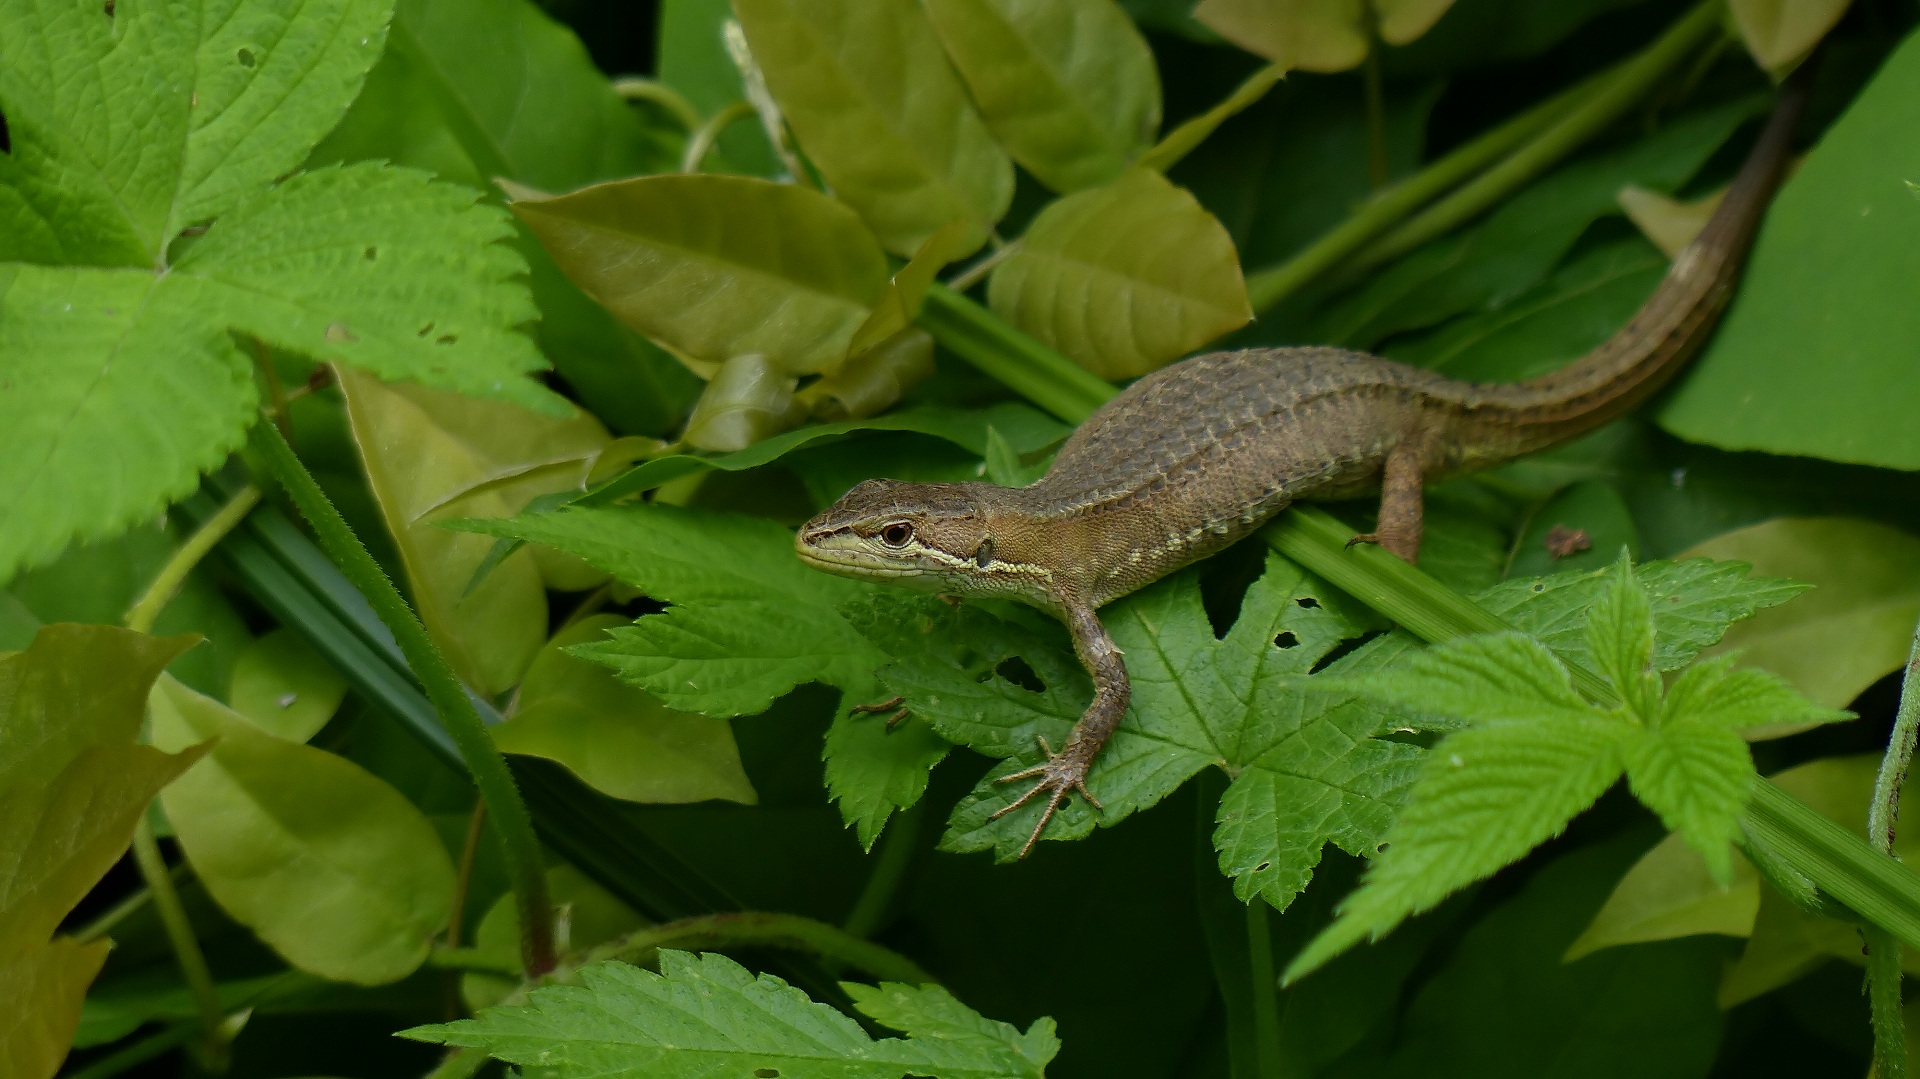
(872, 380)
(868, 90)
(40, 994)
(747, 400)
(331, 867)
(1069, 87)
(720, 266)
(614, 736)
(1317, 35)
(432, 455)
(1668, 222)
(1854, 627)
(900, 304)
(1123, 278)
(1780, 33)
(284, 686)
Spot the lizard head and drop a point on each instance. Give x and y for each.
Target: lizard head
(933, 536)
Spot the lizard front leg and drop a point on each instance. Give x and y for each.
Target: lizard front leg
(1066, 771)
(1402, 503)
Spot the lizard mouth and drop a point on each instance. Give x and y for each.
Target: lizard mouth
(851, 563)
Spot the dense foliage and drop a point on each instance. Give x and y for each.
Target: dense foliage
(406, 405)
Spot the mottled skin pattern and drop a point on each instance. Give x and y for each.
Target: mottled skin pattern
(1195, 456)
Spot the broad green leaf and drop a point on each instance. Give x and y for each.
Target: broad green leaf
(423, 449)
(1069, 87)
(1504, 1005)
(867, 89)
(719, 266)
(41, 992)
(592, 916)
(463, 90)
(72, 781)
(1124, 277)
(1814, 357)
(748, 622)
(618, 739)
(330, 866)
(1317, 35)
(1780, 33)
(1496, 262)
(1667, 222)
(707, 1015)
(872, 380)
(128, 128)
(1855, 626)
(1695, 774)
(747, 400)
(1582, 527)
(1306, 769)
(284, 687)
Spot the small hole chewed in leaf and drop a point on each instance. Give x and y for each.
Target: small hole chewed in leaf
(372, 253)
(1263, 867)
(338, 334)
(1016, 670)
(1287, 639)
(108, 8)
(766, 1073)
(6, 141)
(245, 56)
(446, 339)
(1307, 603)
(424, 330)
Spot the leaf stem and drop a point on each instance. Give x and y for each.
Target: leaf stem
(483, 759)
(703, 138)
(134, 1055)
(463, 877)
(889, 870)
(653, 91)
(146, 610)
(1019, 362)
(1182, 140)
(1883, 819)
(1883, 994)
(186, 947)
(765, 929)
(1266, 990)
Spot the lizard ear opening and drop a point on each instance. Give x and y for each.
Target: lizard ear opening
(984, 556)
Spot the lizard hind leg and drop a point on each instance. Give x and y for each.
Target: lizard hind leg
(1402, 505)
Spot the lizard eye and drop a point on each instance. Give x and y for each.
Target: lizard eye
(896, 534)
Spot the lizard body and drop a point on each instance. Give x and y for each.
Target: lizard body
(1195, 456)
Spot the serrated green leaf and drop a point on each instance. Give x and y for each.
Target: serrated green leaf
(1500, 677)
(705, 1014)
(129, 128)
(1713, 692)
(1854, 627)
(615, 737)
(334, 869)
(1838, 250)
(872, 771)
(867, 89)
(1069, 87)
(930, 1014)
(1487, 795)
(1695, 774)
(432, 456)
(1620, 637)
(284, 687)
(719, 266)
(1124, 277)
(41, 992)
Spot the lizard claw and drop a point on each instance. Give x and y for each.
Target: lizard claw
(893, 720)
(1060, 775)
(1364, 537)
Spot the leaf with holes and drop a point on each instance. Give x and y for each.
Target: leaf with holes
(142, 228)
(705, 1015)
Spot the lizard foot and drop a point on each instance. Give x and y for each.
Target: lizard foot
(890, 704)
(1061, 775)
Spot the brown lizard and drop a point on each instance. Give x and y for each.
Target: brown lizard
(1196, 455)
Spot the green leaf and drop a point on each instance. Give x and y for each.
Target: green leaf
(1583, 526)
(593, 916)
(1712, 692)
(1695, 774)
(1620, 637)
(1123, 278)
(1838, 251)
(867, 89)
(125, 130)
(900, 304)
(747, 400)
(1501, 677)
(1069, 87)
(333, 868)
(1671, 893)
(1318, 35)
(705, 1014)
(1855, 626)
(41, 992)
(1780, 34)
(719, 266)
(618, 739)
(748, 622)
(284, 687)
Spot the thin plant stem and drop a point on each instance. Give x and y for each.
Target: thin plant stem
(276, 392)
(759, 928)
(463, 878)
(1266, 994)
(889, 870)
(146, 610)
(1628, 84)
(459, 1064)
(1883, 820)
(124, 909)
(186, 947)
(982, 266)
(1180, 142)
(653, 91)
(135, 1055)
(525, 866)
(704, 137)
(1377, 165)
